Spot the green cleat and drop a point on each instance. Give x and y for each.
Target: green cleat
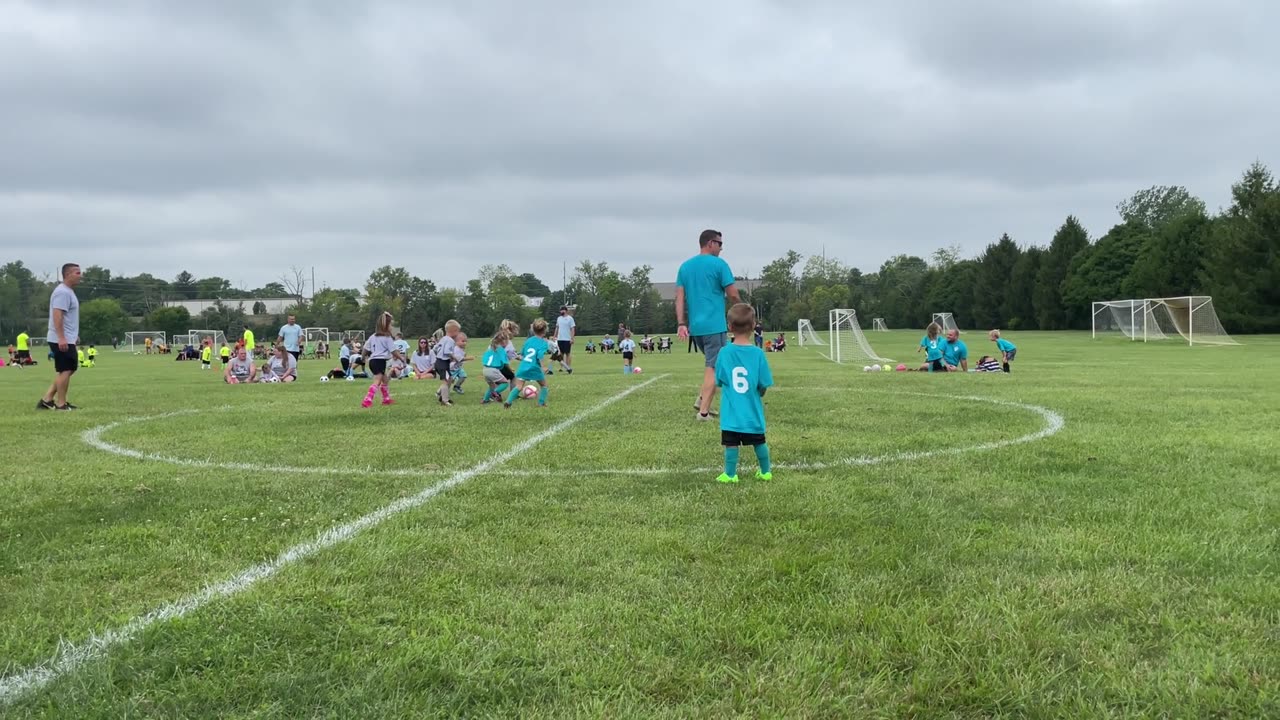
(764, 475)
(726, 478)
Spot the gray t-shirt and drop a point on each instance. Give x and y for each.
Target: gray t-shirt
(564, 327)
(292, 335)
(64, 299)
(241, 369)
(280, 368)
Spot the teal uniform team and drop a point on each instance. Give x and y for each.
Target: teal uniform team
(1007, 349)
(530, 369)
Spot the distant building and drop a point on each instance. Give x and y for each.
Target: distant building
(274, 306)
(531, 302)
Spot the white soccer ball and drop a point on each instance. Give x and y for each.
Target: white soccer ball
(324, 378)
(875, 368)
(866, 368)
(530, 391)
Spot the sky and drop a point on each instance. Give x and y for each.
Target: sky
(245, 138)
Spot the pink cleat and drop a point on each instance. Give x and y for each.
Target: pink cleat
(388, 401)
(366, 403)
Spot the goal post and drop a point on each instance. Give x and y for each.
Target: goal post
(197, 337)
(353, 335)
(947, 321)
(806, 335)
(314, 335)
(878, 325)
(846, 339)
(136, 341)
(1191, 317)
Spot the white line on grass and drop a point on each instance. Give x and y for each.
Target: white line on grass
(71, 657)
(1053, 423)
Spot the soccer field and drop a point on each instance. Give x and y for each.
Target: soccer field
(1095, 535)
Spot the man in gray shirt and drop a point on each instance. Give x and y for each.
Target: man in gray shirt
(64, 333)
(291, 336)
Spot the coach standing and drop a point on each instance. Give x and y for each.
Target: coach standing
(64, 333)
(702, 282)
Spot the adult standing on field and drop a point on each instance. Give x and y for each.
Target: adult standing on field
(702, 283)
(64, 333)
(247, 339)
(291, 337)
(566, 332)
(24, 348)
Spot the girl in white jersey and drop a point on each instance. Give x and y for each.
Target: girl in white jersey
(379, 349)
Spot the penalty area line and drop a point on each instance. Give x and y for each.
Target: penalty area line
(72, 656)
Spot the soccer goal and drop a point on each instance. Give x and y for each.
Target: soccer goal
(353, 335)
(806, 334)
(947, 321)
(877, 325)
(198, 336)
(136, 342)
(1192, 317)
(846, 339)
(315, 335)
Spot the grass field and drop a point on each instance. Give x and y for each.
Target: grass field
(1095, 535)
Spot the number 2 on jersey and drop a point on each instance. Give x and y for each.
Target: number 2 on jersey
(531, 355)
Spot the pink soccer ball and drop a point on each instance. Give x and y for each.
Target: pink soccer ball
(902, 367)
(530, 391)
(636, 370)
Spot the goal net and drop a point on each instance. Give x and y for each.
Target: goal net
(136, 341)
(315, 335)
(199, 336)
(1192, 317)
(947, 321)
(180, 340)
(806, 334)
(353, 335)
(877, 324)
(846, 339)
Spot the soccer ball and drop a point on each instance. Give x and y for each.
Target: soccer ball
(866, 368)
(888, 367)
(875, 368)
(635, 370)
(902, 367)
(324, 378)
(530, 392)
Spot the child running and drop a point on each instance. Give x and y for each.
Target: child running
(1006, 348)
(530, 369)
(742, 369)
(460, 356)
(628, 348)
(378, 350)
(494, 362)
(445, 350)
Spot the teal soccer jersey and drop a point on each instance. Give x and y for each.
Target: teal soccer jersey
(954, 352)
(531, 358)
(932, 348)
(704, 278)
(494, 358)
(743, 371)
(1005, 346)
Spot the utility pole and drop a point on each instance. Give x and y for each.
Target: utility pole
(313, 282)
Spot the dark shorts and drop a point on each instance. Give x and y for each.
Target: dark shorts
(937, 366)
(733, 438)
(709, 345)
(24, 355)
(566, 346)
(442, 369)
(297, 354)
(226, 360)
(64, 360)
(628, 356)
(1009, 355)
(507, 373)
(346, 363)
(377, 366)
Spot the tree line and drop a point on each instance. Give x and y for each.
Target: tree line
(1165, 244)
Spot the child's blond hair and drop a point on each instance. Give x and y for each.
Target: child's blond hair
(994, 335)
(933, 331)
(452, 327)
(539, 327)
(384, 324)
(742, 319)
(499, 340)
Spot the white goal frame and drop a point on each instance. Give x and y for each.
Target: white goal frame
(947, 321)
(877, 325)
(1149, 319)
(198, 336)
(840, 320)
(314, 335)
(353, 335)
(811, 338)
(139, 338)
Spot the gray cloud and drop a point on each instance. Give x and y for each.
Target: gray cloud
(237, 139)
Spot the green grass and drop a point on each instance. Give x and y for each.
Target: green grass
(1125, 566)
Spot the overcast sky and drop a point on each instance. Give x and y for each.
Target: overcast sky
(239, 138)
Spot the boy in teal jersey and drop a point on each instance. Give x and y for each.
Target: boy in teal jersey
(743, 371)
(530, 369)
(1006, 348)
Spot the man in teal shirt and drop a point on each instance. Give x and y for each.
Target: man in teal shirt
(702, 283)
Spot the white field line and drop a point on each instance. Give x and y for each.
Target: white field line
(70, 657)
(1053, 423)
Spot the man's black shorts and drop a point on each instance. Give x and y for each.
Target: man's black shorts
(24, 355)
(297, 354)
(566, 346)
(64, 360)
(732, 438)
